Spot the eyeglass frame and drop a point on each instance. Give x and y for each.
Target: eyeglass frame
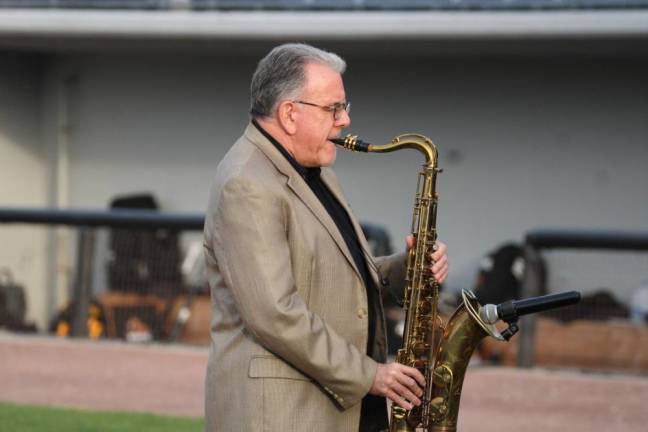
(335, 108)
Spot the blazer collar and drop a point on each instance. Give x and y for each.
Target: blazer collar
(299, 187)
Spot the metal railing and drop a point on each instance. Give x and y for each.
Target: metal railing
(137, 275)
(117, 218)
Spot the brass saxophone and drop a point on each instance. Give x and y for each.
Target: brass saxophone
(441, 352)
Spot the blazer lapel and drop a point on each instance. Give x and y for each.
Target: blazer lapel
(331, 182)
(302, 190)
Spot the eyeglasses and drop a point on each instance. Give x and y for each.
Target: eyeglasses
(336, 108)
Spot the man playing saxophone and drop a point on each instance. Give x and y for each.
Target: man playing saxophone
(298, 334)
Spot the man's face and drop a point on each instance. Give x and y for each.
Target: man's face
(315, 126)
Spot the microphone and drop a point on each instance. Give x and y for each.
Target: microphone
(509, 311)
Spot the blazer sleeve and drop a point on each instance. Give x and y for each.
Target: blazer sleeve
(391, 269)
(249, 241)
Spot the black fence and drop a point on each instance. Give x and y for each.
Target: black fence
(138, 274)
(145, 295)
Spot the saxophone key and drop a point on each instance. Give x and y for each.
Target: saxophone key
(419, 348)
(424, 307)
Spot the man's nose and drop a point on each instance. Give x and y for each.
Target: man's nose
(344, 121)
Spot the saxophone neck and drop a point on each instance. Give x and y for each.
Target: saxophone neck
(412, 141)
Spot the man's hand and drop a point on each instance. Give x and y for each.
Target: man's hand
(439, 258)
(402, 384)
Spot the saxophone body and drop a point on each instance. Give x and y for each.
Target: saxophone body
(441, 352)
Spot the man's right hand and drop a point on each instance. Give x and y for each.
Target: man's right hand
(402, 384)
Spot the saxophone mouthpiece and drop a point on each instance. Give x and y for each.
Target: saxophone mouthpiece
(351, 142)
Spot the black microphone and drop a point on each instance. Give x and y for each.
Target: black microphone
(509, 311)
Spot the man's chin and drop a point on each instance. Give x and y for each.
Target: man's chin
(329, 159)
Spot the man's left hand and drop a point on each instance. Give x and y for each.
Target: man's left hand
(439, 262)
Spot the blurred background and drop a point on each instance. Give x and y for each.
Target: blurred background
(539, 109)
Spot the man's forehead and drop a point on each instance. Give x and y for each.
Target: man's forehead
(319, 70)
(320, 77)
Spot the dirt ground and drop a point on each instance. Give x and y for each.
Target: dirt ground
(169, 380)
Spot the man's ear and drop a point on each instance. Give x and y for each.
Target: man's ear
(287, 117)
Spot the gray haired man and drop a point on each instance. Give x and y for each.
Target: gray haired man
(298, 334)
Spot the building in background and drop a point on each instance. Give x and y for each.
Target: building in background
(539, 110)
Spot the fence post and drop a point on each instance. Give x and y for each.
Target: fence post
(531, 287)
(83, 281)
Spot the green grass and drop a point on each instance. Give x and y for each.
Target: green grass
(29, 418)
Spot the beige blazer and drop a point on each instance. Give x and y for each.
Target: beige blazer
(289, 309)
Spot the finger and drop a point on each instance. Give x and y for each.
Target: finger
(414, 373)
(438, 270)
(443, 275)
(440, 251)
(410, 241)
(437, 273)
(442, 262)
(410, 384)
(407, 394)
(398, 400)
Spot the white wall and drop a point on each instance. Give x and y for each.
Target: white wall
(525, 142)
(23, 176)
(153, 124)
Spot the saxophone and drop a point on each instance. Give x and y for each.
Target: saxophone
(441, 352)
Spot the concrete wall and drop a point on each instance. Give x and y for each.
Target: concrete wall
(525, 142)
(23, 175)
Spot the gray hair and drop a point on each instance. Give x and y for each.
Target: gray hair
(280, 75)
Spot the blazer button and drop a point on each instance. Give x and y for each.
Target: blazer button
(362, 313)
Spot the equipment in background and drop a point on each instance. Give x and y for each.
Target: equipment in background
(500, 274)
(378, 239)
(63, 322)
(13, 304)
(144, 276)
(185, 312)
(639, 302)
(143, 261)
(12, 300)
(134, 317)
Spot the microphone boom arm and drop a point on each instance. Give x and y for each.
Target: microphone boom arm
(511, 310)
